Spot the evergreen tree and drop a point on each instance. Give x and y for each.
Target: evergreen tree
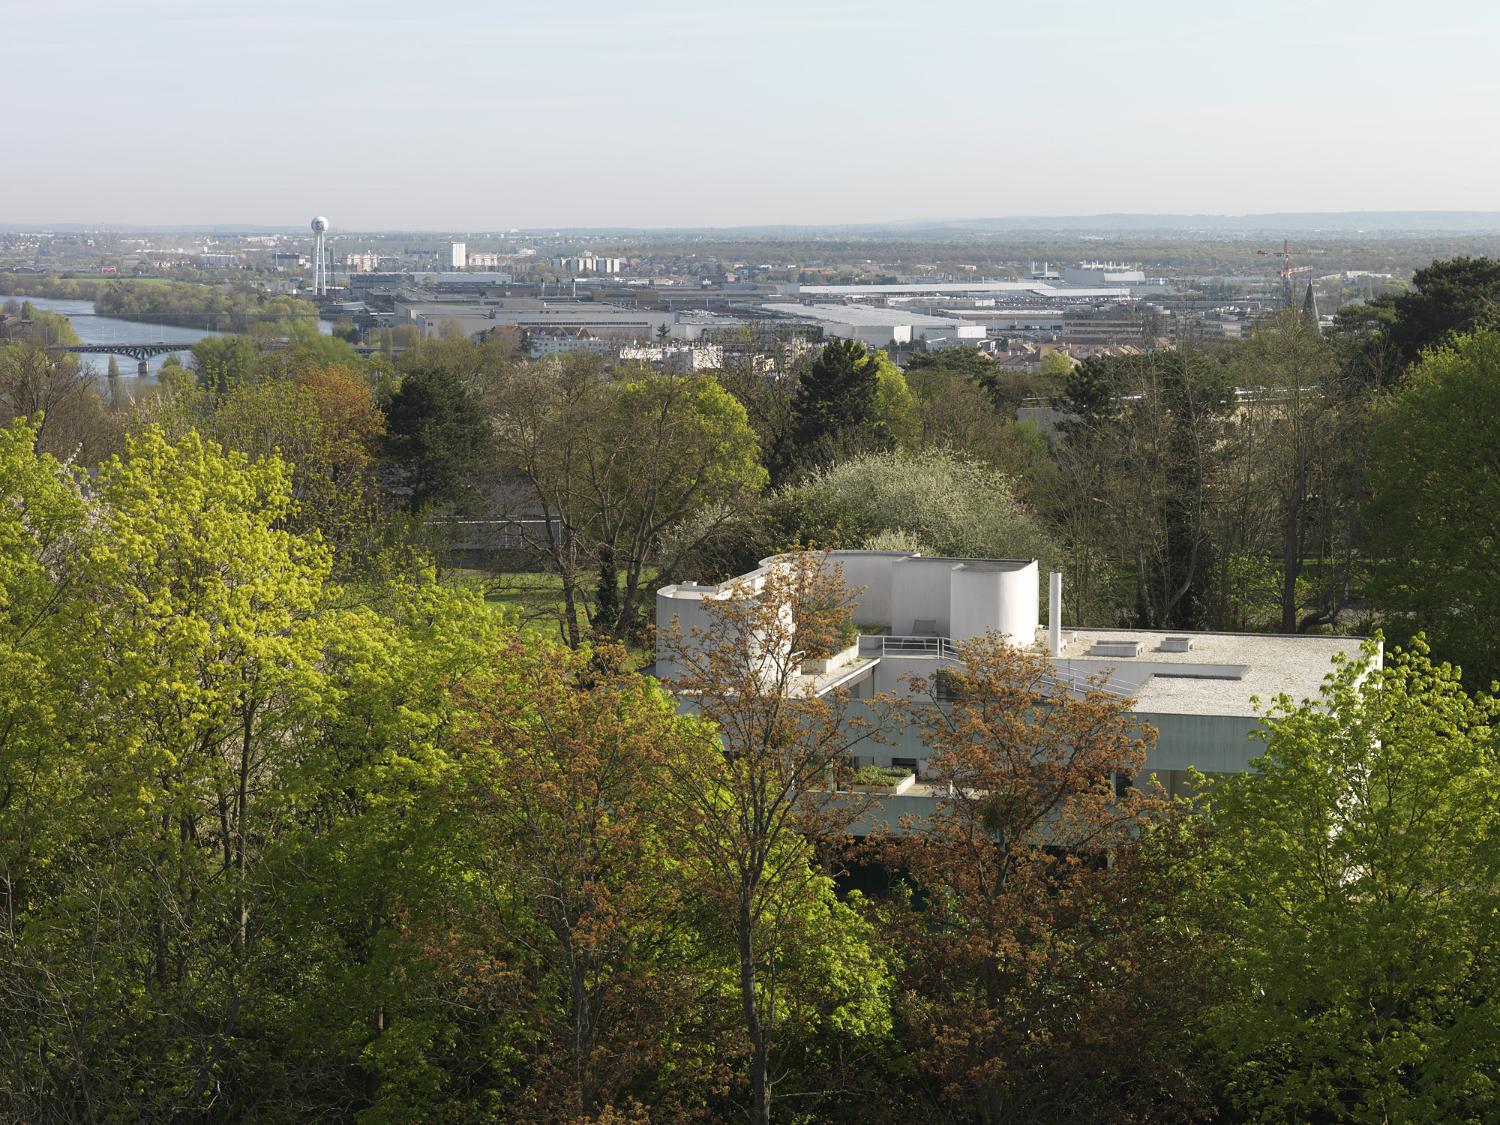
(836, 408)
(434, 430)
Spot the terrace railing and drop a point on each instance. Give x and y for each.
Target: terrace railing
(919, 646)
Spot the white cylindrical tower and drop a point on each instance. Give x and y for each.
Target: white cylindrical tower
(320, 256)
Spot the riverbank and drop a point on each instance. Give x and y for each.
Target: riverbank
(185, 305)
(92, 328)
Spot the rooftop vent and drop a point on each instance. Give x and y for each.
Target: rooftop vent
(1116, 648)
(1176, 644)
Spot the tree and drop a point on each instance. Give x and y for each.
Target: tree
(202, 660)
(618, 464)
(1290, 483)
(327, 427)
(1044, 976)
(564, 906)
(1006, 388)
(60, 396)
(671, 448)
(1359, 868)
(744, 814)
(837, 406)
(199, 739)
(1448, 298)
(1432, 513)
(967, 361)
(545, 420)
(223, 362)
(768, 406)
(1056, 367)
(895, 405)
(435, 433)
(1148, 434)
(955, 412)
(943, 503)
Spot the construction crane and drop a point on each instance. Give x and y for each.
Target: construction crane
(1287, 271)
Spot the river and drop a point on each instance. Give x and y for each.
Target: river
(93, 328)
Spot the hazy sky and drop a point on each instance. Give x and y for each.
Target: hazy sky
(470, 115)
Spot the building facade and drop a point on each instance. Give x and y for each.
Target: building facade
(1202, 693)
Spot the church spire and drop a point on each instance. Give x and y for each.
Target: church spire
(1310, 308)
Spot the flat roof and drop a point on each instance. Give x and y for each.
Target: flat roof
(864, 314)
(1250, 666)
(1042, 288)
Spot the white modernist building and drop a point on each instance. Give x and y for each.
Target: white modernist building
(458, 256)
(1198, 690)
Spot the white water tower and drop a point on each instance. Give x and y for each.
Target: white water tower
(320, 256)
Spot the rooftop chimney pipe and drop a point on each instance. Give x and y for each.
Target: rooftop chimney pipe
(1054, 614)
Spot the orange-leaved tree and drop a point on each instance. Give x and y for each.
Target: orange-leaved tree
(1044, 959)
(567, 922)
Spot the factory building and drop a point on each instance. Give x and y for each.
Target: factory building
(879, 327)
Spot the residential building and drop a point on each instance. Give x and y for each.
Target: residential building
(1201, 692)
(587, 263)
(677, 357)
(458, 256)
(542, 342)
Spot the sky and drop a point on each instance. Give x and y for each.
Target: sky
(488, 114)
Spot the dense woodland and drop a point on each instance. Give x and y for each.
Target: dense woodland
(299, 820)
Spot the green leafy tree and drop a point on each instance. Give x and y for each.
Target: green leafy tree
(941, 502)
(745, 816)
(435, 435)
(620, 465)
(967, 361)
(223, 362)
(1359, 869)
(895, 405)
(326, 425)
(1433, 515)
(203, 772)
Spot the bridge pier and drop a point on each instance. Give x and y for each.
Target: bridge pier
(140, 369)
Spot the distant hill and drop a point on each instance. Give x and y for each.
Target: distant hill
(1302, 222)
(1374, 224)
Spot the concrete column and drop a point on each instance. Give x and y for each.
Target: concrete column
(1054, 614)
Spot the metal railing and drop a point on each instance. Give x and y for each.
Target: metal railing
(1082, 683)
(919, 646)
(945, 649)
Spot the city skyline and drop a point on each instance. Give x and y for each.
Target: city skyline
(670, 115)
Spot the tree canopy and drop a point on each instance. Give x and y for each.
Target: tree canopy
(1359, 870)
(1434, 497)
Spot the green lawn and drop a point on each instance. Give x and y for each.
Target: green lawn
(535, 599)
